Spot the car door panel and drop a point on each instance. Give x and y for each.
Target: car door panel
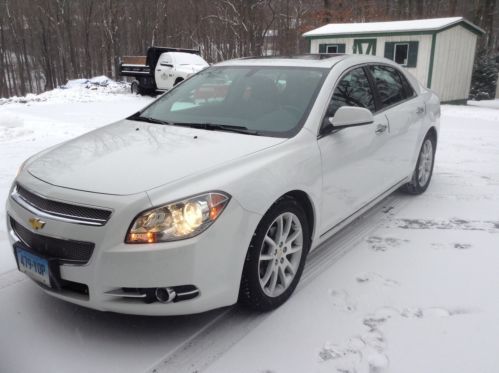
(353, 167)
(163, 73)
(353, 170)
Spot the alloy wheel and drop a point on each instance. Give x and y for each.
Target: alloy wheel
(425, 163)
(280, 254)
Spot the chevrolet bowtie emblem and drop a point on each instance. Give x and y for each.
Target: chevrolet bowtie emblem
(37, 223)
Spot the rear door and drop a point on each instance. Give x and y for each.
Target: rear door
(405, 113)
(353, 167)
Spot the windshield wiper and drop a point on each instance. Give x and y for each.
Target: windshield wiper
(220, 127)
(148, 119)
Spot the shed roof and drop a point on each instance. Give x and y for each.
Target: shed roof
(416, 25)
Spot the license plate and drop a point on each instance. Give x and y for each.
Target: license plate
(34, 266)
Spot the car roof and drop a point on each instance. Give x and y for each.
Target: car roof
(320, 60)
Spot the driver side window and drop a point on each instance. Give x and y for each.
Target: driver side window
(166, 59)
(352, 90)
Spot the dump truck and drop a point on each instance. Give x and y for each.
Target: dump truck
(161, 69)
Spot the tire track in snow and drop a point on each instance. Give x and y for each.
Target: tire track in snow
(10, 278)
(209, 343)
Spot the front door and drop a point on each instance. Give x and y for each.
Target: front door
(164, 72)
(353, 167)
(364, 46)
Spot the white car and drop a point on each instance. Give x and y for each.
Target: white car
(217, 191)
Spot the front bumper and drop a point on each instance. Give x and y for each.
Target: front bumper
(211, 262)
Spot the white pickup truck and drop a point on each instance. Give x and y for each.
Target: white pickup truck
(161, 69)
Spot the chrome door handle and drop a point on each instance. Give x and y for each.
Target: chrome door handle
(420, 110)
(380, 128)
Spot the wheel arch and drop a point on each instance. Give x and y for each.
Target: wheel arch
(306, 202)
(433, 132)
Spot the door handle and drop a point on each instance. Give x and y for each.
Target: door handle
(380, 128)
(420, 110)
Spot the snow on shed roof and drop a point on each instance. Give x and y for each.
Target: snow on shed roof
(432, 24)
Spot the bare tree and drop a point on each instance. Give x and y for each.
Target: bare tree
(43, 43)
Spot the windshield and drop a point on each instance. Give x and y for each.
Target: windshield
(270, 101)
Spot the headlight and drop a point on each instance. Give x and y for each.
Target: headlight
(177, 220)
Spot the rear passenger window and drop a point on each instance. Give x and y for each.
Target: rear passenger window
(409, 91)
(352, 90)
(391, 88)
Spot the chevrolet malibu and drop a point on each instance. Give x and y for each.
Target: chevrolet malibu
(216, 192)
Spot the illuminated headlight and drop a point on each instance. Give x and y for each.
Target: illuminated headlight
(177, 220)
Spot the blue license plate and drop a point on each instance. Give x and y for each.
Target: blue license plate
(35, 267)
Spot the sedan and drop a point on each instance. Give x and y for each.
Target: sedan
(217, 191)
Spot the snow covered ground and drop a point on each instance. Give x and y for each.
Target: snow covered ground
(410, 287)
(36, 122)
(494, 104)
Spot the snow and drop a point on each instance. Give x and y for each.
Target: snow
(410, 287)
(418, 292)
(494, 104)
(100, 88)
(431, 24)
(36, 122)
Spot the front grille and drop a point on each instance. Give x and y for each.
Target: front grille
(82, 214)
(54, 248)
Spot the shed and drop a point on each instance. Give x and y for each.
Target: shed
(438, 51)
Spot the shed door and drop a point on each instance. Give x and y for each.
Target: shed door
(364, 46)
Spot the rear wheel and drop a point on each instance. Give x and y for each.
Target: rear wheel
(135, 88)
(424, 168)
(276, 257)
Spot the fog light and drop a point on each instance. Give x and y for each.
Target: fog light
(165, 295)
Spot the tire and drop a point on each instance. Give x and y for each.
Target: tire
(178, 80)
(273, 269)
(135, 87)
(423, 172)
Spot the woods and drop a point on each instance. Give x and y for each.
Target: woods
(43, 43)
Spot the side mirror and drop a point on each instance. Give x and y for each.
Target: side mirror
(351, 116)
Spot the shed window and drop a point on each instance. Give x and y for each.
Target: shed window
(332, 48)
(401, 54)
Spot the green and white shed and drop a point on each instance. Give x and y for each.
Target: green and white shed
(438, 51)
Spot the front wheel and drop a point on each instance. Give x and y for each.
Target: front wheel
(276, 257)
(424, 168)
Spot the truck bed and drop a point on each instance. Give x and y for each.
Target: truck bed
(134, 66)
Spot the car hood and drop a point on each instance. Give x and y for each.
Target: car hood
(129, 157)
